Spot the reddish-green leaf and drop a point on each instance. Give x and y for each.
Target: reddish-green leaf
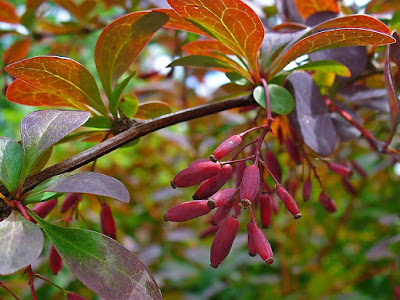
(121, 42)
(307, 8)
(200, 61)
(17, 51)
(381, 6)
(231, 22)
(152, 109)
(330, 39)
(55, 77)
(11, 158)
(21, 243)
(8, 13)
(102, 264)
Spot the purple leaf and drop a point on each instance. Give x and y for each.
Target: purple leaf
(21, 243)
(362, 96)
(310, 117)
(344, 129)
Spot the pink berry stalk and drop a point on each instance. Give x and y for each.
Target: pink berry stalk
(73, 296)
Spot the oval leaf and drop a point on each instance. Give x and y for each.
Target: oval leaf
(21, 243)
(200, 61)
(8, 13)
(328, 66)
(102, 264)
(307, 8)
(41, 129)
(17, 51)
(11, 158)
(282, 101)
(152, 109)
(57, 76)
(121, 42)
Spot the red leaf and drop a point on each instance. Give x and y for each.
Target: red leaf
(8, 13)
(17, 51)
(52, 78)
(231, 22)
(307, 8)
(121, 42)
(330, 39)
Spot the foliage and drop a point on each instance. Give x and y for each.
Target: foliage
(310, 102)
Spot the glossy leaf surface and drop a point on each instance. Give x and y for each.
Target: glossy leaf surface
(17, 51)
(282, 101)
(328, 66)
(11, 158)
(116, 94)
(21, 243)
(52, 76)
(152, 109)
(231, 22)
(102, 264)
(121, 42)
(199, 61)
(41, 129)
(8, 13)
(307, 8)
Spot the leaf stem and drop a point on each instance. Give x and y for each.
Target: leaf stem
(8, 290)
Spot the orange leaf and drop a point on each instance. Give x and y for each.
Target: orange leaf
(17, 51)
(330, 39)
(8, 13)
(121, 42)
(231, 22)
(381, 6)
(309, 7)
(57, 77)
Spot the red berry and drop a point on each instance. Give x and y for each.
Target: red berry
(221, 197)
(213, 184)
(55, 261)
(288, 201)
(265, 210)
(348, 186)
(73, 296)
(339, 169)
(223, 241)
(107, 222)
(307, 190)
(327, 202)
(250, 183)
(239, 169)
(273, 165)
(187, 211)
(221, 213)
(261, 243)
(250, 241)
(292, 150)
(227, 146)
(70, 201)
(196, 173)
(42, 209)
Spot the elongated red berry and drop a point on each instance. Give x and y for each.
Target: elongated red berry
(42, 209)
(339, 169)
(70, 201)
(221, 197)
(261, 243)
(223, 241)
(348, 186)
(210, 186)
(359, 169)
(209, 231)
(73, 296)
(250, 183)
(55, 261)
(274, 204)
(221, 213)
(187, 211)
(107, 222)
(307, 189)
(227, 146)
(250, 241)
(196, 173)
(288, 201)
(273, 165)
(239, 169)
(292, 150)
(327, 202)
(265, 210)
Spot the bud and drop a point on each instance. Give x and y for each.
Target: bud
(107, 222)
(212, 185)
(288, 201)
(196, 173)
(73, 296)
(250, 183)
(223, 241)
(42, 209)
(187, 211)
(221, 197)
(273, 165)
(70, 201)
(307, 190)
(265, 210)
(250, 241)
(348, 186)
(55, 261)
(261, 243)
(221, 213)
(227, 146)
(327, 202)
(292, 150)
(359, 169)
(239, 169)
(339, 169)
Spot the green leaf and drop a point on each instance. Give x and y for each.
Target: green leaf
(129, 105)
(200, 61)
(21, 243)
(327, 66)
(98, 122)
(11, 158)
(41, 161)
(116, 94)
(282, 101)
(152, 109)
(102, 264)
(237, 78)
